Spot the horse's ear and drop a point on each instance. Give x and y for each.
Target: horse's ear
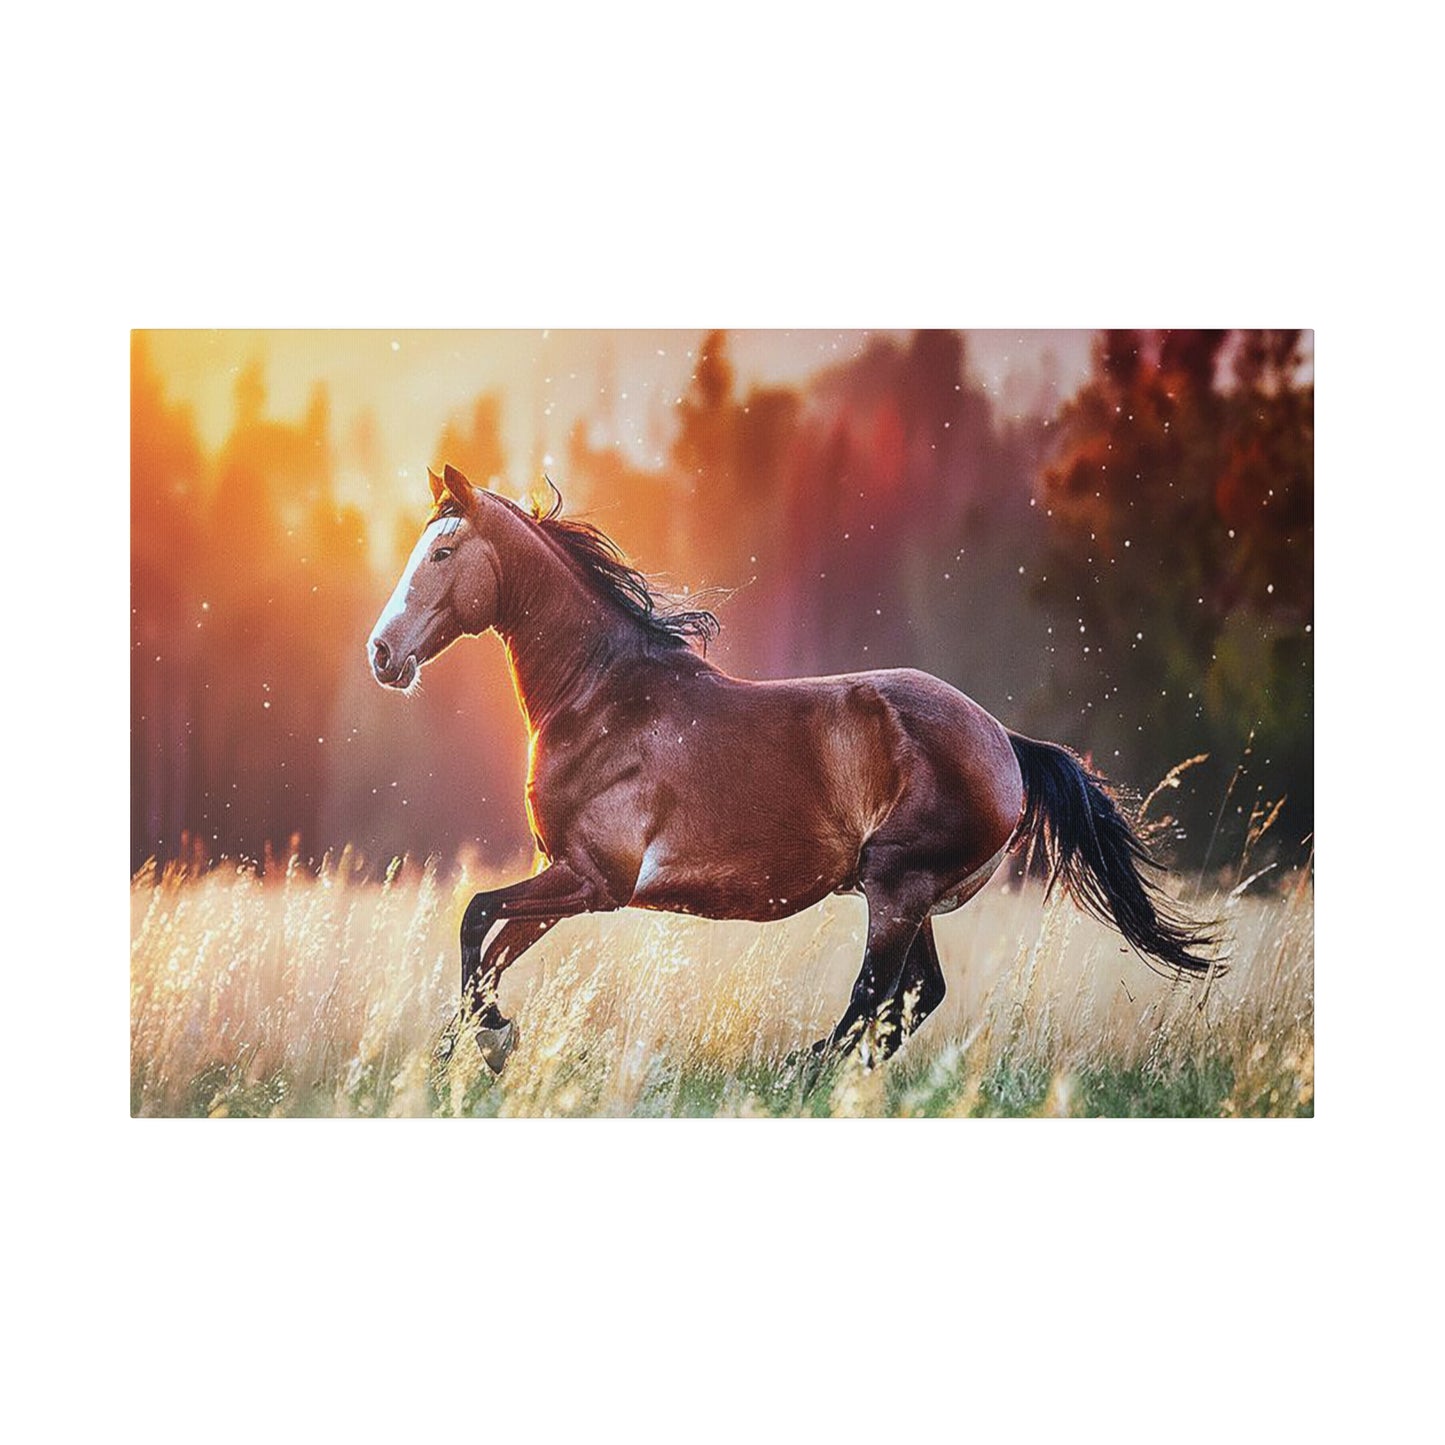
(459, 487)
(438, 487)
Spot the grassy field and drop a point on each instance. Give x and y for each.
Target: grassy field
(300, 994)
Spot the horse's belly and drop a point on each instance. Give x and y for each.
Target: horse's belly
(759, 889)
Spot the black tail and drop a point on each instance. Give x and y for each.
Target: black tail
(1090, 845)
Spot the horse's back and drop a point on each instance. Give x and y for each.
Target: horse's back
(900, 743)
(820, 753)
(929, 712)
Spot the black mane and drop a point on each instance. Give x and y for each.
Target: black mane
(602, 560)
(603, 563)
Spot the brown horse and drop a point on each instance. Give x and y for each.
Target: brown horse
(658, 781)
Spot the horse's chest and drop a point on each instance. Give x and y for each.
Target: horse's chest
(589, 787)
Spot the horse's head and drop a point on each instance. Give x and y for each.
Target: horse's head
(448, 588)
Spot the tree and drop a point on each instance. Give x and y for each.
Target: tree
(1181, 496)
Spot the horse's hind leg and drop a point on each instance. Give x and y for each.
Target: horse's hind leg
(920, 990)
(922, 986)
(896, 914)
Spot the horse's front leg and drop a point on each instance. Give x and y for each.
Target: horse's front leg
(526, 910)
(496, 1034)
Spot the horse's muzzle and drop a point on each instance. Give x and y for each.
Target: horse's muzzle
(390, 671)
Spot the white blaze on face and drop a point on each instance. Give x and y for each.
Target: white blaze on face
(396, 607)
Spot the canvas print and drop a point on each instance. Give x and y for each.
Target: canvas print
(725, 723)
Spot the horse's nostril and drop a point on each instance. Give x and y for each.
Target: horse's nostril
(381, 654)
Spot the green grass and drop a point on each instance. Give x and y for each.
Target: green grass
(943, 1086)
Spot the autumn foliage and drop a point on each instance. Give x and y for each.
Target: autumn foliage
(1128, 569)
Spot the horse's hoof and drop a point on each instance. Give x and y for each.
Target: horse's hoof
(497, 1044)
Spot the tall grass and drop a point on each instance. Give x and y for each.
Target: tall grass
(324, 993)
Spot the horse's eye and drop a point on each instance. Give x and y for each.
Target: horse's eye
(441, 554)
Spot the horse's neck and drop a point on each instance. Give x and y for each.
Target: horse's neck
(559, 634)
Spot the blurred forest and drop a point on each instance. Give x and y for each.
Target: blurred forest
(1128, 569)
